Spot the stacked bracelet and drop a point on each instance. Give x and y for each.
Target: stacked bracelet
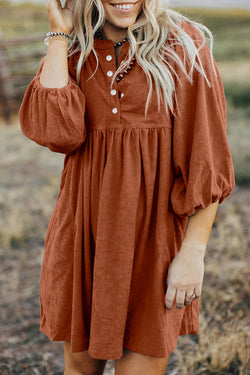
(57, 35)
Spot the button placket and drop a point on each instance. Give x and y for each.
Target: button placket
(113, 92)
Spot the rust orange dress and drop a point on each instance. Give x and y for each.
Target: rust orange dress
(127, 188)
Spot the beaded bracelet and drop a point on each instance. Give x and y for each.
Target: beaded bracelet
(57, 35)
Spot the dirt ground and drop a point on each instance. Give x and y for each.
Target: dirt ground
(29, 183)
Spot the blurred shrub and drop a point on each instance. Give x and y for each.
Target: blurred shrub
(238, 94)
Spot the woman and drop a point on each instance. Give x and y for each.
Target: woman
(138, 108)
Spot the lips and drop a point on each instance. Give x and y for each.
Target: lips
(123, 3)
(124, 8)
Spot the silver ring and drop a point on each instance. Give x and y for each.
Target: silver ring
(191, 297)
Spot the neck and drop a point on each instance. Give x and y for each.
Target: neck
(113, 33)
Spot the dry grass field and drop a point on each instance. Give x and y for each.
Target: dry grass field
(29, 184)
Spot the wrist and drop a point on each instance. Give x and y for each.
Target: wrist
(194, 247)
(58, 43)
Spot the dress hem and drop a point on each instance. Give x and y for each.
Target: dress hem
(128, 346)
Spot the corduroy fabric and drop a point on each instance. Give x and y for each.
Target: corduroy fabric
(127, 188)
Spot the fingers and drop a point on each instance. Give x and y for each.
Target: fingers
(183, 298)
(189, 297)
(169, 298)
(180, 298)
(60, 19)
(197, 291)
(51, 5)
(69, 4)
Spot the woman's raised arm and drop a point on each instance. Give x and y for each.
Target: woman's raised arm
(53, 107)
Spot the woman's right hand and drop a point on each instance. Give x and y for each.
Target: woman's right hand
(60, 19)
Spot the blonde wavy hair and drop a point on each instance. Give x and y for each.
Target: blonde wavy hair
(148, 36)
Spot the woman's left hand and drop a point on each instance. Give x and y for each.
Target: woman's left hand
(185, 275)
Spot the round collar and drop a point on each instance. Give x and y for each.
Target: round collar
(106, 43)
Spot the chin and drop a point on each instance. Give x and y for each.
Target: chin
(122, 20)
(122, 24)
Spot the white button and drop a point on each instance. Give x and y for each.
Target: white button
(122, 94)
(114, 110)
(113, 92)
(110, 73)
(108, 57)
